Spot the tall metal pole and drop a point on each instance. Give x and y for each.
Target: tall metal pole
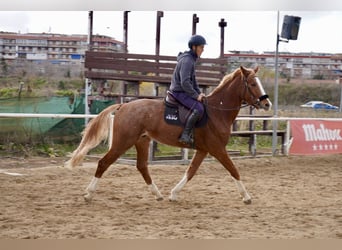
(160, 14)
(195, 20)
(87, 81)
(222, 24)
(125, 30)
(275, 101)
(125, 39)
(90, 35)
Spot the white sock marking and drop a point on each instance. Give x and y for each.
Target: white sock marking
(242, 190)
(178, 188)
(92, 185)
(154, 190)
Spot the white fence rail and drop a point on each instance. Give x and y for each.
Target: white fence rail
(287, 119)
(251, 118)
(25, 115)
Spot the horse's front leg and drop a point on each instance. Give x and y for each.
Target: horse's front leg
(190, 172)
(223, 158)
(90, 190)
(246, 198)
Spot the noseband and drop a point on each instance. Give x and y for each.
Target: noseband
(256, 101)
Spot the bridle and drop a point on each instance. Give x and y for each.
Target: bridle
(256, 101)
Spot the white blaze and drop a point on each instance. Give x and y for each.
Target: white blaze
(262, 90)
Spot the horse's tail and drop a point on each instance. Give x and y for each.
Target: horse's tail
(96, 131)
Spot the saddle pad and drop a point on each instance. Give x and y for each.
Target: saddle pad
(178, 115)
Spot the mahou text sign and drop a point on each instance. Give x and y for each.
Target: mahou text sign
(316, 137)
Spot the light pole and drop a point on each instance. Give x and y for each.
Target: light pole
(289, 31)
(275, 101)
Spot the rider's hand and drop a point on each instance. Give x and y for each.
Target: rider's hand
(200, 97)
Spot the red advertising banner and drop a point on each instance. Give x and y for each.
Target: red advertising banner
(316, 137)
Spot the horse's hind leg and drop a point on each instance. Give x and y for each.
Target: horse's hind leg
(190, 172)
(119, 146)
(142, 147)
(112, 155)
(223, 158)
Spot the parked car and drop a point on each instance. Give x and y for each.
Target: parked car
(310, 104)
(324, 105)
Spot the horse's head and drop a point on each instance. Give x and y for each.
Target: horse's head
(254, 93)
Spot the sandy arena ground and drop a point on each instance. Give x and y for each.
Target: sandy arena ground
(293, 197)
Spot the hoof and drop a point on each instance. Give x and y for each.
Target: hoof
(68, 166)
(173, 199)
(88, 197)
(160, 198)
(248, 201)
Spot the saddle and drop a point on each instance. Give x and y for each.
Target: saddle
(176, 113)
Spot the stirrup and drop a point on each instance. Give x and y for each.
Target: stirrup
(185, 142)
(189, 142)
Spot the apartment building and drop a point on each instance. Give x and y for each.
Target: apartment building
(291, 65)
(70, 50)
(55, 48)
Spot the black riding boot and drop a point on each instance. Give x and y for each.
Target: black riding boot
(185, 138)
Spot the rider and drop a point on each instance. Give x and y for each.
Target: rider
(184, 86)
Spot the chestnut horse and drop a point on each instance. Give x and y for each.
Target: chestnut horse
(137, 122)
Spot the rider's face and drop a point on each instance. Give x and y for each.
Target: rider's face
(198, 50)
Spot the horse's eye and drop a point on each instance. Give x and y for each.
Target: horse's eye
(253, 84)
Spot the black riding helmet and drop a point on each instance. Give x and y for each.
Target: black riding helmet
(196, 40)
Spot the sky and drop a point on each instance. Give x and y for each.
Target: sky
(246, 30)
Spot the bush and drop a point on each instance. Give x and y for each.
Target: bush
(8, 92)
(61, 85)
(65, 93)
(296, 94)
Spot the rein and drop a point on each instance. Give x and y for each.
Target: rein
(258, 100)
(223, 109)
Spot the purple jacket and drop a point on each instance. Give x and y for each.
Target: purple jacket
(183, 78)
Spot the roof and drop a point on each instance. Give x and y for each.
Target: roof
(56, 37)
(285, 55)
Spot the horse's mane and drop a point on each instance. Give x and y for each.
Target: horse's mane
(226, 80)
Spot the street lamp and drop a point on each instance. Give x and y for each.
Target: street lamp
(289, 31)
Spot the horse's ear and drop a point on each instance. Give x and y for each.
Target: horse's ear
(244, 71)
(256, 69)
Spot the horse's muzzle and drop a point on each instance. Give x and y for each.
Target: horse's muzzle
(263, 102)
(266, 104)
